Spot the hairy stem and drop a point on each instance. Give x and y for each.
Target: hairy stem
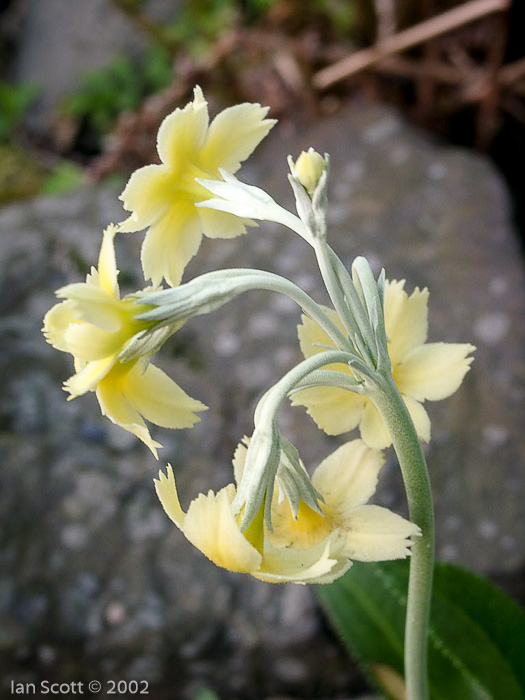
(417, 485)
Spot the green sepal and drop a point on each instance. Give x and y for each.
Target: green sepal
(257, 483)
(293, 479)
(148, 342)
(371, 293)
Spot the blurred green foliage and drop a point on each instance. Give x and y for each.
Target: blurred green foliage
(122, 86)
(65, 177)
(341, 14)
(199, 23)
(206, 694)
(20, 174)
(14, 102)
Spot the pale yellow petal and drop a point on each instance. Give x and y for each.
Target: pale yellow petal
(107, 263)
(219, 224)
(239, 459)
(333, 409)
(93, 304)
(341, 566)
(156, 397)
(92, 277)
(374, 533)
(433, 371)
(322, 563)
(56, 322)
(233, 136)
(171, 243)
(148, 195)
(211, 527)
(406, 319)
(373, 429)
(115, 405)
(87, 342)
(313, 340)
(87, 378)
(348, 477)
(419, 418)
(182, 133)
(113, 402)
(167, 492)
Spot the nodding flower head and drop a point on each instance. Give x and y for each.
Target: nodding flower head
(305, 546)
(94, 324)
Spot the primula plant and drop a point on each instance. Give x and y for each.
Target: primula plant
(367, 365)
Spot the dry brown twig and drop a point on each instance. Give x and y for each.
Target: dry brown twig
(408, 38)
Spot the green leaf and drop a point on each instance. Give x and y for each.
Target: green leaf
(477, 633)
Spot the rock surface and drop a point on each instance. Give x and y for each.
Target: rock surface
(94, 580)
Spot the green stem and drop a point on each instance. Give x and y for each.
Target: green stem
(212, 290)
(417, 485)
(261, 463)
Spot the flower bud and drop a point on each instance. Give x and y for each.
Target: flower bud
(308, 169)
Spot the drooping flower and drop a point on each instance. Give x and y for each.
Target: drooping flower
(308, 548)
(162, 197)
(94, 325)
(422, 371)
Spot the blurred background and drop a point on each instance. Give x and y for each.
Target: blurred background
(421, 105)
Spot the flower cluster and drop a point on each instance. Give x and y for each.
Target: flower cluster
(366, 359)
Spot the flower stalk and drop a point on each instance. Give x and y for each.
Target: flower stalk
(212, 290)
(262, 459)
(419, 496)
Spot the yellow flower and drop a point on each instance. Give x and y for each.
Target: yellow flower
(422, 371)
(163, 197)
(310, 548)
(94, 325)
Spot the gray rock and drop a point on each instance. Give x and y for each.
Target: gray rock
(94, 580)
